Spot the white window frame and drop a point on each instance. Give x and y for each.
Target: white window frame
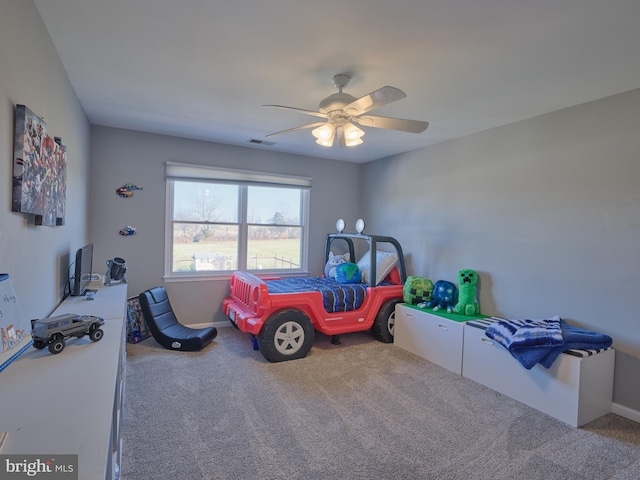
(243, 179)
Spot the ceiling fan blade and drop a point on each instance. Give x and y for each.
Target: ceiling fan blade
(302, 127)
(379, 98)
(401, 124)
(301, 110)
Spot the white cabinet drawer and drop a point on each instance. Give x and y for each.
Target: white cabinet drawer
(430, 336)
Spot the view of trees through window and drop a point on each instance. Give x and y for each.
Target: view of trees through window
(222, 227)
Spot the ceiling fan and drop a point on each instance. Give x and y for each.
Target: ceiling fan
(343, 111)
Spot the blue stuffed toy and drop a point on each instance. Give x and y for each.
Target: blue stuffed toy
(445, 295)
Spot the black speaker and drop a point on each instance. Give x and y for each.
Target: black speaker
(116, 269)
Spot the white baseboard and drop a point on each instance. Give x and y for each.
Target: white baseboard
(222, 324)
(626, 412)
(212, 324)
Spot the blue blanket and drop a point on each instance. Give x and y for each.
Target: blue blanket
(542, 341)
(336, 297)
(576, 338)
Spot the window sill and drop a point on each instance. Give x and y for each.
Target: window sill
(215, 276)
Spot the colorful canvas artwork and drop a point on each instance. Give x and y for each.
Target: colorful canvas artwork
(39, 170)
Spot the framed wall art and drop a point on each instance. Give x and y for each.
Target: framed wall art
(39, 170)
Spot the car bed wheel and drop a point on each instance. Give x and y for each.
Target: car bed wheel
(385, 321)
(57, 345)
(39, 344)
(286, 335)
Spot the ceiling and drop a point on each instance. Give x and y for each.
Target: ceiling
(203, 69)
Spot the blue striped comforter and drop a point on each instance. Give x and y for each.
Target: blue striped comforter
(337, 297)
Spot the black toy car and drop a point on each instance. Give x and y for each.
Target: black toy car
(55, 330)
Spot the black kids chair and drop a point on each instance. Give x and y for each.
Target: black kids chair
(165, 327)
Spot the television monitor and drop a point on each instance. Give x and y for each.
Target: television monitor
(83, 270)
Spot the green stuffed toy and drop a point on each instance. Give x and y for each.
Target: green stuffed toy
(417, 290)
(467, 284)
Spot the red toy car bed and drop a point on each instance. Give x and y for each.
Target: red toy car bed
(283, 314)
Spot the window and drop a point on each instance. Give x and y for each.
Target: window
(220, 220)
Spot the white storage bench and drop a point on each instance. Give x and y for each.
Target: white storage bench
(577, 389)
(434, 336)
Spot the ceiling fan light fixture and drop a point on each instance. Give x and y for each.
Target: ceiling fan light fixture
(324, 134)
(352, 142)
(343, 113)
(351, 132)
(325, 142)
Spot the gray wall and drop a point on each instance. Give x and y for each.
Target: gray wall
(547, 211)
(37, 258)
(122, 156)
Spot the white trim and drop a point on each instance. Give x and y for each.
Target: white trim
(243, 228)
(304, 218)
(186, 171)
(625, 412)
(221, 324)
(168, 231)
(226, 275)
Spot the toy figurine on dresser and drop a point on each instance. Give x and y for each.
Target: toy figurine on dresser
(467, 286)
(445, 295)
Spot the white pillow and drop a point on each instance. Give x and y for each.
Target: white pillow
(385, 261)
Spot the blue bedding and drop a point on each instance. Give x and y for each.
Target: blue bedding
(542, 341)
(337, 297)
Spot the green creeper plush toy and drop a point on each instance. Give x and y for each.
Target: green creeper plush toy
(417, 290)
(467, 284)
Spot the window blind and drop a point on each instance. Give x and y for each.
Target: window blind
(184, 171)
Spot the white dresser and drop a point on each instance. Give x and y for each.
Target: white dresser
(71, 402)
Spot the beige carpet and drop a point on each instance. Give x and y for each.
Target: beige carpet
(360, 410)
